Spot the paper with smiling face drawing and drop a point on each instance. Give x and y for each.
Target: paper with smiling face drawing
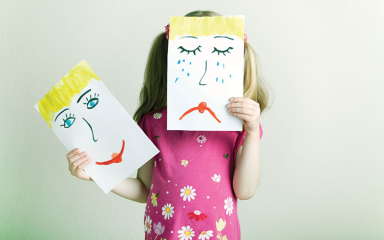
(205, 69)
(84, 114)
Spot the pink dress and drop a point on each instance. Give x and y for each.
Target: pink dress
(191, 195)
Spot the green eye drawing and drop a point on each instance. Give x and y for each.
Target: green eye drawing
(92, 102)
(68, 121)
(223, 52)
(189, 51)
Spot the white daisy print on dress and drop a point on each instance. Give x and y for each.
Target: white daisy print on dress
(201, 139)
(157, 115)
(188, 193)
(147, 225)
(206, 235)
(216, 179)
(167, 211)
(228, 204)
(186, 233)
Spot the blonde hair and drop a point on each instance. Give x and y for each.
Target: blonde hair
(197, 26)
(153, 95)
(62, 92)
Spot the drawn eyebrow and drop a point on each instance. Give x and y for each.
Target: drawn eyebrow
(82, 95)
(61, 113)
(188, 37)
(223, 37)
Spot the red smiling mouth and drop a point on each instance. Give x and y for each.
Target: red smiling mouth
(116, 158)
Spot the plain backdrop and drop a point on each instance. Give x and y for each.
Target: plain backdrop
(322, 169)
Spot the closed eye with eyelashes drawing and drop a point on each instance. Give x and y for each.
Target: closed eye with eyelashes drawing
(189, 51)
(198, 49)
(222, 51)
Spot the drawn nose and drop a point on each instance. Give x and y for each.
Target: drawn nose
(202, 107)
(93, 135)
(205, 71)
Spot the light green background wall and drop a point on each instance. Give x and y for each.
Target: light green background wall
(322, 150)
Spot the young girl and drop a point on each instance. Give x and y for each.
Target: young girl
(191, 187)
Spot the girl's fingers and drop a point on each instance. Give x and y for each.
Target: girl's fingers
(72, 153)
(245, 100)
(242, 104)
(76, 163)
(73, 158)
(77, 156)
(245, 117)
(83, 164)
(245, 111)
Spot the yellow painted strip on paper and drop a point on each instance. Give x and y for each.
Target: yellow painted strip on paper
(62, 92)
(205, 26)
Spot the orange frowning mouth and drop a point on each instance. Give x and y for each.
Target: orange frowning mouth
(202, 107)
(116, 158)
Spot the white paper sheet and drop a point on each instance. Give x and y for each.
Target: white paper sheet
(98, 124)
(204, 68)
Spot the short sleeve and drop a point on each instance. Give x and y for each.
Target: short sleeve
(240, 139)
(144, 125)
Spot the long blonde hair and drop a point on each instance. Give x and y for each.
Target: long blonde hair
(153, 95)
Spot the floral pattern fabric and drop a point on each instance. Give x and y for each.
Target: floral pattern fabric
(191, 195)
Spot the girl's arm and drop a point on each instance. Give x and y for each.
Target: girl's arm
(247, 168)
(136, 189)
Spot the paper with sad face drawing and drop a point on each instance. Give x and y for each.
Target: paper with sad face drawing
(84, 114)
(205, 69)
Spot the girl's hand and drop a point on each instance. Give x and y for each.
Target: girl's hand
(76, 162)
(246, 109)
